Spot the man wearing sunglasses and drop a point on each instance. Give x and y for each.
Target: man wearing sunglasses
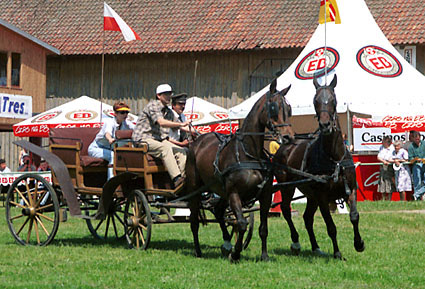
(153, 127)
(101, 147)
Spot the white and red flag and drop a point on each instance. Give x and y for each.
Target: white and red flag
(112, 21)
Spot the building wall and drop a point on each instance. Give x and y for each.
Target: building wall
(33, 83)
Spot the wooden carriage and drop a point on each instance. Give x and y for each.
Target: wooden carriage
(121, 208)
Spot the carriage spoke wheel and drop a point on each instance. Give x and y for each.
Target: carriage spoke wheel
(138, 221)
(231, 222)
(110, 228)
(32, 210)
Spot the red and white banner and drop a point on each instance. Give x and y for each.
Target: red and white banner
(6, 179)
(223, 127)
(112, 21)
(368, 134)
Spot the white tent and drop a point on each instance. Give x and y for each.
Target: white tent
(81, 112)
(372, 77)
(202, 112)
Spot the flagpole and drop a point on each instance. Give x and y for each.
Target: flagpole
(326, 72)
(103, 65)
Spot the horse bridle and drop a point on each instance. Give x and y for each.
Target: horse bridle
(272, 108)
(324, 100)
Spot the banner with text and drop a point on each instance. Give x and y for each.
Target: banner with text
(15, 106)
(368, 134)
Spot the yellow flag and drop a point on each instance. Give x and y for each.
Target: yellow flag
(332, 13)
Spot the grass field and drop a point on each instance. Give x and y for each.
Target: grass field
(394, 234)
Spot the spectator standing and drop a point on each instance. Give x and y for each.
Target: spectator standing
(386, 176)
(416, 158)
(402, 171)
(3, 166)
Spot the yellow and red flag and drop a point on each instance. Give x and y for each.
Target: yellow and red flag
(332, 13)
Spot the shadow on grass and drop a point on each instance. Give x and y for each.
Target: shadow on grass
(304, 254)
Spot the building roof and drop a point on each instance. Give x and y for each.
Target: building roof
(28, 36)
(76, 26)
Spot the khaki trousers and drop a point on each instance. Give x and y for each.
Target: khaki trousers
(173, 156)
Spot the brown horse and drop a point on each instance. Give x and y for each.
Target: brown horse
(237, 169)
(327, 156)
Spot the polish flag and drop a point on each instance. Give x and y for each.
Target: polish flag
(112, 21)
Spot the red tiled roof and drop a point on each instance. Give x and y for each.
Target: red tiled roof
(76, 26)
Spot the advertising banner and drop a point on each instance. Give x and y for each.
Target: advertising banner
(368, 134)
(15, 106)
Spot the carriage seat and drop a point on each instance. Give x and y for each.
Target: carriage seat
(71, 137)
(122, 135)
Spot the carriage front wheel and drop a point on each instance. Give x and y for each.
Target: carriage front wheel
(32, 210)
(138, 221)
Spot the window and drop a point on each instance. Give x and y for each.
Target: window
(16, 69)
(3, 68)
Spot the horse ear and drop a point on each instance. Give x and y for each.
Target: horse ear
(316, 84)
(283, 92)
(333, 83)
(273, 86)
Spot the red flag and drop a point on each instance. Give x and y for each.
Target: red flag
(112, 21)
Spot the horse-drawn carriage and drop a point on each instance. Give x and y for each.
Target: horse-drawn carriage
(236, 168)
(122, 208)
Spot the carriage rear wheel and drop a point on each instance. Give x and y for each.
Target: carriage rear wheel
(32, 210)
(231, 222)
(138, 221)
(112, 227)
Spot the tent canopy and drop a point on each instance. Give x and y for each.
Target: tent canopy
(81, 112)
(202, 112)
(373, 78)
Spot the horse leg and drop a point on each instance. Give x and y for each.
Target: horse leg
(354, 218)
(219, 211)
(241, 226)
(286, 211)
(194, 223)
(265, 203)
(308, 216)
(331, 228)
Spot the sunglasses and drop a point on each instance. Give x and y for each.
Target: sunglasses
(123, 112)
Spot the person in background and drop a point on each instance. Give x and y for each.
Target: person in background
(386, 176)
(402, 171)
(3, 166)
(27, 165)
(409, 141)
(178, 136)
(101, 147)
(152, 128)
(44, 166)
(347, 143)
(416, 158)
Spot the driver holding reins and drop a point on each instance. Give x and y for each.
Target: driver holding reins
(152, 128)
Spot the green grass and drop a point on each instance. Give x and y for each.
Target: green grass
(394, 256)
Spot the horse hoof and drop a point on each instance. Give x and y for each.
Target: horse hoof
(265, 258)
(198, 254)
(319, 252)
(226, 249)
(232, 259)
(338, 256)
(296, 248)
(359, 246)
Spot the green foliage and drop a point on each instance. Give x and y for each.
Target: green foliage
(394, 234)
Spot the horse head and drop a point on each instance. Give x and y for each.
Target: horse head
(325, 105)
(276, 113)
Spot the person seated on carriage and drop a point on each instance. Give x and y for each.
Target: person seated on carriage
(101, 147)
(152, 128)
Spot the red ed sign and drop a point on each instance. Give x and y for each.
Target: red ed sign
(315, 61)
(378, 61)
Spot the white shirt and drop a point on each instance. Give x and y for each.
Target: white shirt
(386, 153)
(110, 125)
(6, 170)
(175, 132)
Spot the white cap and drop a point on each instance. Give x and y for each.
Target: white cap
(163, 88)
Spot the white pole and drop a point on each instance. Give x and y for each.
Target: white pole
(326, 65)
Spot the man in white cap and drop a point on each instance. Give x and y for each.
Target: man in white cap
(153, 126)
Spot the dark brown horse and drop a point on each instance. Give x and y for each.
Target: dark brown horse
(326, 156)
(237, 169)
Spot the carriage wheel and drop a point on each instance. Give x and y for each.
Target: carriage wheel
(231, 222)
(32, 210)
(138, 221)
(112, 227)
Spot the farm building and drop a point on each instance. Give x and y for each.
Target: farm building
(239, 45)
